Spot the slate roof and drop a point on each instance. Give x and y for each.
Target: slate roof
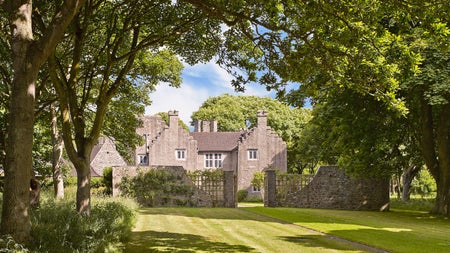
(216, 141)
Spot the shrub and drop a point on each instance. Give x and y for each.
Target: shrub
(159, 188)
(56, 227)
(242, 195)
(8, 245)
(107, 180)
(258, 180)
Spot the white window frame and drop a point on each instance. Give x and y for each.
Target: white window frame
(213, 160)
(252, 154)
(180, 154)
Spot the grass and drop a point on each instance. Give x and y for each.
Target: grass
(394, 231)
(253, 228)
(224, 230)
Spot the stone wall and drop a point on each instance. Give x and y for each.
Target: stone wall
(200, 198)
(332, 188)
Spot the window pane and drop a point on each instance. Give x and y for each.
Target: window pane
(252, 154)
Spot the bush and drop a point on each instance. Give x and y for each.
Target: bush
(159, 188)
(258, 180)
(8, 245)
(56, 227)
(242, 195)
(107, 180)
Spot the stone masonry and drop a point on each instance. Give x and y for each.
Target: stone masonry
(332, 188)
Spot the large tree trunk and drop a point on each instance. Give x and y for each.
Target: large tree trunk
(57, 141)
(28, 55)
(407, 178)
(443, 149)
(442, 202)
(18, 164)
(435, 144)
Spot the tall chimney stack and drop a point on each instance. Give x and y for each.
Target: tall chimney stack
(262, 118)
(173, 119)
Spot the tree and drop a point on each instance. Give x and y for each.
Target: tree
(29, 53)
(117, 50)
(395, 52)
(239, 112)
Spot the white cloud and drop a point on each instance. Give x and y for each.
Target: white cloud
(185, 100)
(200, 82)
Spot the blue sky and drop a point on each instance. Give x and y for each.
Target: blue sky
(200, 82)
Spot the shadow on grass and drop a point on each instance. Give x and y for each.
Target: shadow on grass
(154, 241)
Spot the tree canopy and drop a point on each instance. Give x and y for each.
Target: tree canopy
(392, 51)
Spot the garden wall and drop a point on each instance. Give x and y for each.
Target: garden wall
(332, 188)
(212, 191)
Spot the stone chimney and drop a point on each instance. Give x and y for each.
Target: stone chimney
(206, 126)
(173, 119)
(197, 125)
(213, 125)
(262, 118)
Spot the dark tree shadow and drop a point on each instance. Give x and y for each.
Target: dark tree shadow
(154, 241)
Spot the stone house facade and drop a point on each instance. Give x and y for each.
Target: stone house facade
(244, 152)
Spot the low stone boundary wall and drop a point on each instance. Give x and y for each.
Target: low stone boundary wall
(220, 193)
(332, 188)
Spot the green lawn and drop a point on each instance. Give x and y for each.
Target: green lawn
(258, 229)
(224, 230)
(394, 231)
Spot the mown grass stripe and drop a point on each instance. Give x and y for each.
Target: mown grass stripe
(222, 230)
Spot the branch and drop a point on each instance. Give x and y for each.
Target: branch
(41, 49)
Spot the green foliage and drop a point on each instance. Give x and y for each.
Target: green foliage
(414, 204)
(423, 184)
(97, 182)
(107, 180)
(56, 227)
(208, 175)
(258, 180)
(158, 188)
(242, 195)
(8, 245)
(347, 130)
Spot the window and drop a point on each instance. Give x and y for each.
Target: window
(143, 159)
(180, 154)
(252, 154)
(213, 160)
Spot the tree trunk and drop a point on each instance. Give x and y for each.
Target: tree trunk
(18, 163)
(58, 182)
(28, 55)
(443, 149)
(407, 178)
(84, 189)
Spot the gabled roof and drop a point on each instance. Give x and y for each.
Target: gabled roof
(216, 141)
(95, 151)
